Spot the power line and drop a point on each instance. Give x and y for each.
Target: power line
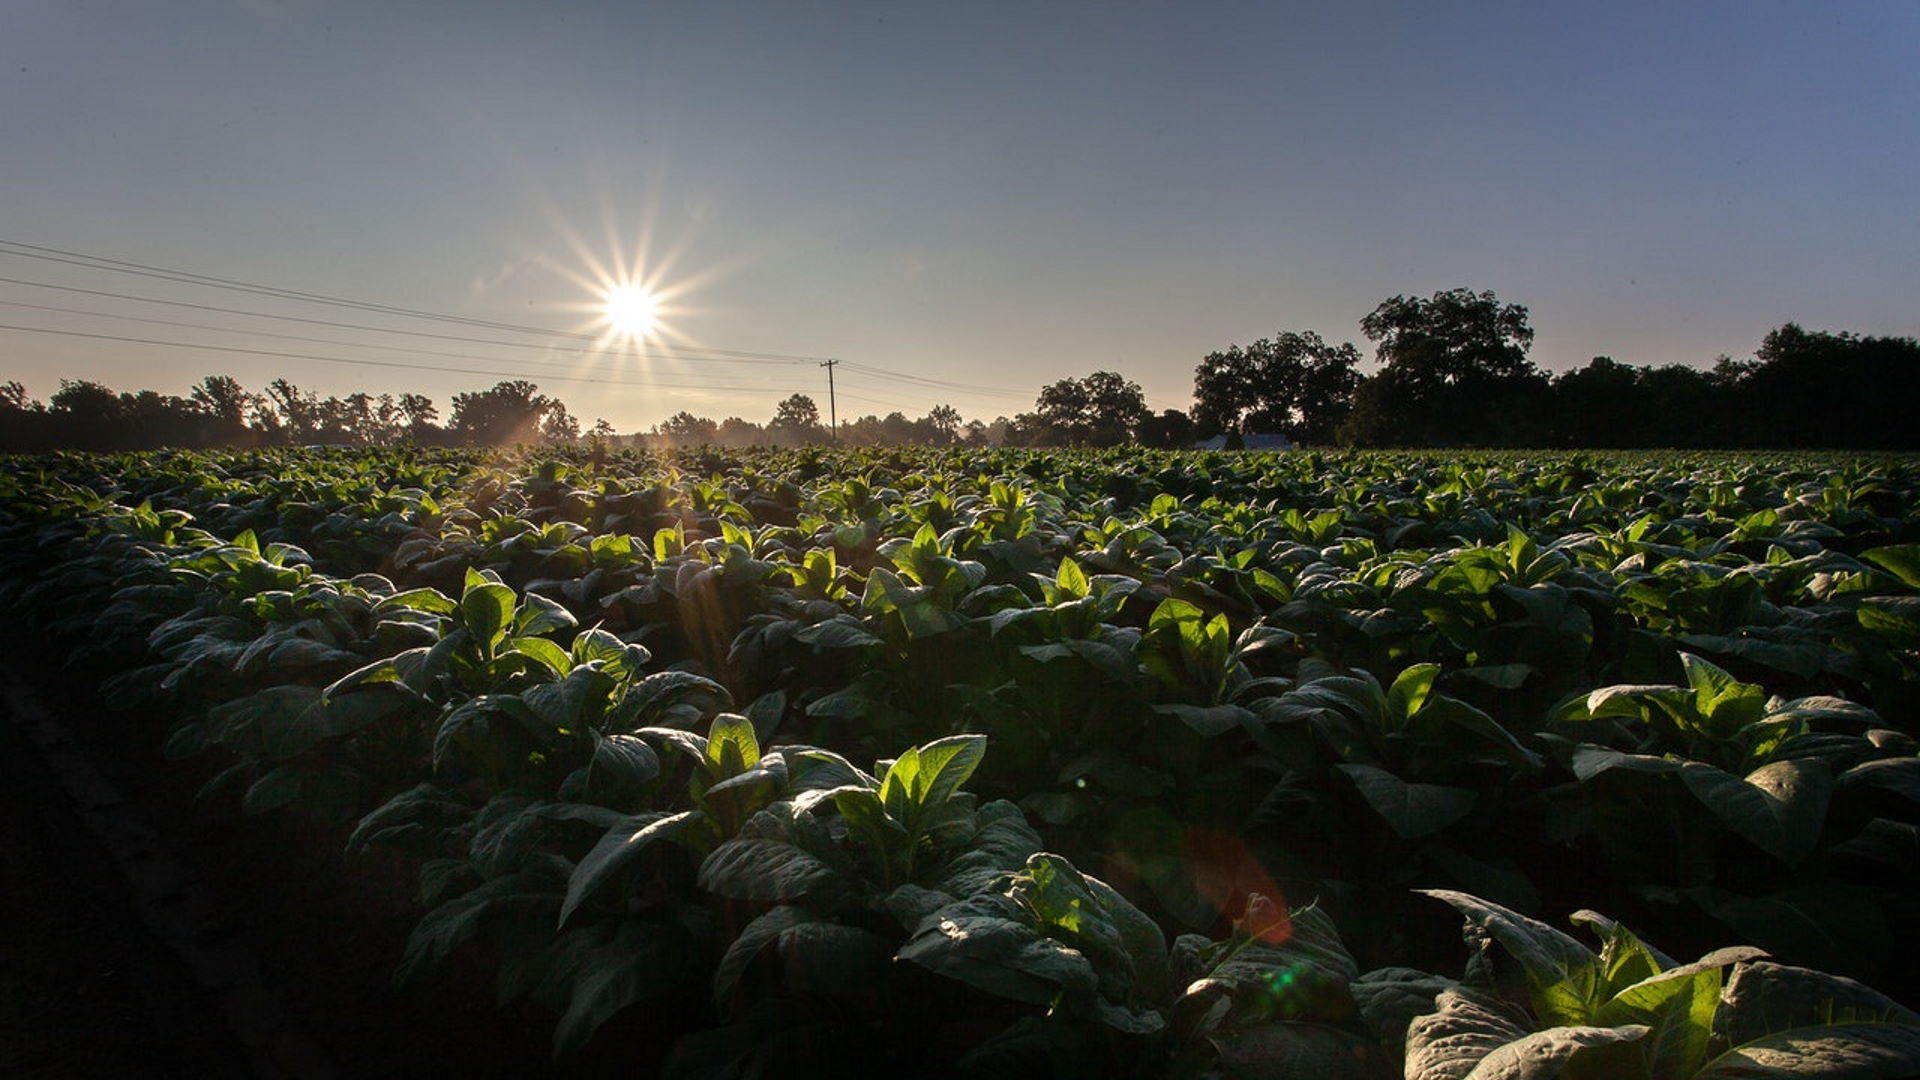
(21, 249)
(289, 337)
(666, 351)
(188, 277)
(374, 363)
(942, 384)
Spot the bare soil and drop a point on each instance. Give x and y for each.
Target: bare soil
(90, 988)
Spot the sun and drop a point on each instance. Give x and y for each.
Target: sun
(630, 311)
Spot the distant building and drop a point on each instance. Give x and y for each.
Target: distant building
(1252, 441)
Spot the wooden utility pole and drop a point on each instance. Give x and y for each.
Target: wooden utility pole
(833, 413)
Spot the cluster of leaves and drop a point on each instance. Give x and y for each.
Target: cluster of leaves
(613, 709)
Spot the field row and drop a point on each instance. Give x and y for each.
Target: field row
(1124, 762)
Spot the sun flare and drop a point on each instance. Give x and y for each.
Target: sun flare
(630, 311)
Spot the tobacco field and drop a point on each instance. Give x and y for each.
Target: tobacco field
(1071, 763)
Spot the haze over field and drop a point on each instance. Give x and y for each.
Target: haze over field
(963, 204)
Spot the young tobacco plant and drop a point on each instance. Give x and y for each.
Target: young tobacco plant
(1536, 1002)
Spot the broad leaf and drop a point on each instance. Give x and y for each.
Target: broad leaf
(618, 849)
(1565, 975)
(1780, 807)
(1411, 810)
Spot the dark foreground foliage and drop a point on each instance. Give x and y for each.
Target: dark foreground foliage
(1021, 763)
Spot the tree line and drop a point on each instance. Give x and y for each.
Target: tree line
(1453, 371)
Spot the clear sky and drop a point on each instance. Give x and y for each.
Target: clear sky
(997, 195)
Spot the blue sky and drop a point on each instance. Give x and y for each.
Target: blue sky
(996, 195)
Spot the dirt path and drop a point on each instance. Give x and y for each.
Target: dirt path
(85, 989)
(143, 934)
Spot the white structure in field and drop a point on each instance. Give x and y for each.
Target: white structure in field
(1252, 441)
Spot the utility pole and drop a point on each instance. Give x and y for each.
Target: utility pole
(833, 413)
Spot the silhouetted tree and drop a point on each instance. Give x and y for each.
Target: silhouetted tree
(1455, 373)
(945, 420)
(23, 421)
(1102, 409)
(738, 431)
(1295, 383)
(685, 429)
(222, 398)
(1598, 406)
(1171, 430)
(797, 420)
(513, 411)
(1818, 389)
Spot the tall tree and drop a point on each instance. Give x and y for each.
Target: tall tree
(945, 419)
(1171, 430)
(1455, 372)
(739, 431)
(223, 398)
(1810, 388)
(797, 419)
(513, 411)
(686, 429)
(1102, 409)
(1294, 383)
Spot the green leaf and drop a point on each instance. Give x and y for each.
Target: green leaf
(431, 601)
(1545, 1055)
(1279, 1049)
(1565, 975)
(835, 960)
(753, 937)
(1408, 694)
(322, 791)
(1453, 711)
(645, 959)
(1072, 580)
(455, 922)
(1780, 808)
(838, 632)
(731, 745)
(1390, 998)
(1792, 1022)
(1277, 942)
(573, 704)
(424, 813)
(1726, 703)
(1764, 997)
(1449, 1042)
(1500, 676)
(1208, 720)
(944, 765)
(1590, 761)
(541, 651)
(766, 869)
(1839, 927)
(1001, 842)
(1895, 618)
(1411, 810)
(1678, 1007)
(539, 615)
(1900, 560)
(984, 942)
(1835, 1052)
(487, 610)
(621, 768)
(622, 845)
(1083, 911)
(287, 735)
(1899, 775)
